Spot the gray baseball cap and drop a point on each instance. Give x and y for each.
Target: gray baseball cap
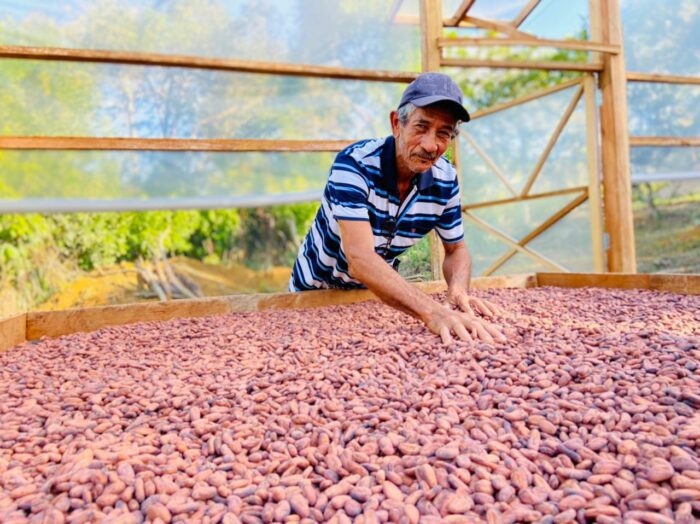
(430, 88)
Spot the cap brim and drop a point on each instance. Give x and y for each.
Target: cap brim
(460, 112)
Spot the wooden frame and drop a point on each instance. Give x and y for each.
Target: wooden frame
(662, 79)
(30, 326)
(513, 64)
(664, 141)
(580, 45)
(168, 144)
(525, 12)
(197, 62)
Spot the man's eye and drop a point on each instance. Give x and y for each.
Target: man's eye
(443, 135)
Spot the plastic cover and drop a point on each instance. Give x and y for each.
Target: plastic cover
(347, 33)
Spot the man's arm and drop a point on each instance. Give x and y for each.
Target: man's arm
(370, 269)
(457, 269)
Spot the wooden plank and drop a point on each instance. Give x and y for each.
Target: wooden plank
(664, 141)
(581, 45)
(490, 163)
(552, 141)
(556, 217)
(460, 13)
(515, 64)
(686, 284)
(593, 161)
(431, 29)
(197, 62)
(524, 99)
(59, 323)
(525, 12)
(558, 192)
(615, 147)
(534, 255)
(168, 144)
(662, 79)
(13, 331)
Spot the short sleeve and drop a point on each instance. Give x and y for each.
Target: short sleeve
(347, 190)
(450, 227)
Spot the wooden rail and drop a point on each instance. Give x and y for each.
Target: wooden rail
(17, 329)
(196, 62)
(665, 141)
(168, 144)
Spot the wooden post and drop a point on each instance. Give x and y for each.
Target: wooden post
(431, 31)
(617, 189)
(592, 151)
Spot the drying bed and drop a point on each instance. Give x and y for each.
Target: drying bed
(589, 412)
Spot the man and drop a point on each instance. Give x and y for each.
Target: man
(382, 196)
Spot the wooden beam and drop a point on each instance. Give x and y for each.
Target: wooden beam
(58, 323)
(685, 284)
(13, 331)
(196, 62)
(662, 79)
(495, 25)
(525, 12)
(490, 163)
(460, 13)
(593, 163)
(168, 144)
(617, 192)
(664, 141)
(527, 98)
(580, 45)
(552, 141)
(553, 219)
(537, 257)
(515, 64)
(431, 29)
(558, 192)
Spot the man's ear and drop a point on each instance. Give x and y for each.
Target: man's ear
(394, 117)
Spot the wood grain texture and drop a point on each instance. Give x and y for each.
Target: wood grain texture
(168, 144)
(58, 323)
(664, 141)
(686, 284)
(662, 79)
(579, 45)
(198, 62)
(13, 331)
(515, 64)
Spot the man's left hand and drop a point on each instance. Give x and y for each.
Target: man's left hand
(471, 305)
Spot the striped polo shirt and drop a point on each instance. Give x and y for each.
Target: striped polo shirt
(362, 185)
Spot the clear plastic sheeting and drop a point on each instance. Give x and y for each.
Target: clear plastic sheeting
(347, 33)
(568, 242)
(662, 37)
(663, 109)
(567, 163)
(665, 162)
(125, 174)
(79, 99)
(513, 139)
(559, 19)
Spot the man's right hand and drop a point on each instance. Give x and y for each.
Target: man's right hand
(445, 322)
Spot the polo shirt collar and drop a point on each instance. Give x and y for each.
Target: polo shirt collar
(388, 166)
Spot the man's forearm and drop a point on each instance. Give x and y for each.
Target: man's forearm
(388, 285)
(457, 269)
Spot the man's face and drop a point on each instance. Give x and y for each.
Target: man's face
(424, 138)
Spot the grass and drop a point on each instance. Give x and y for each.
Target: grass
(668, 240)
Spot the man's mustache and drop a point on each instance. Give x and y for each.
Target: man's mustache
(426, 156)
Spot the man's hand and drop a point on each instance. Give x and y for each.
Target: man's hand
(444, 321)
(471, 305)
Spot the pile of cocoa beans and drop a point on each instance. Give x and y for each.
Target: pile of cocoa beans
(590, 412)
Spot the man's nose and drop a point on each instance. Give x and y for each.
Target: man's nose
(429, 142)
